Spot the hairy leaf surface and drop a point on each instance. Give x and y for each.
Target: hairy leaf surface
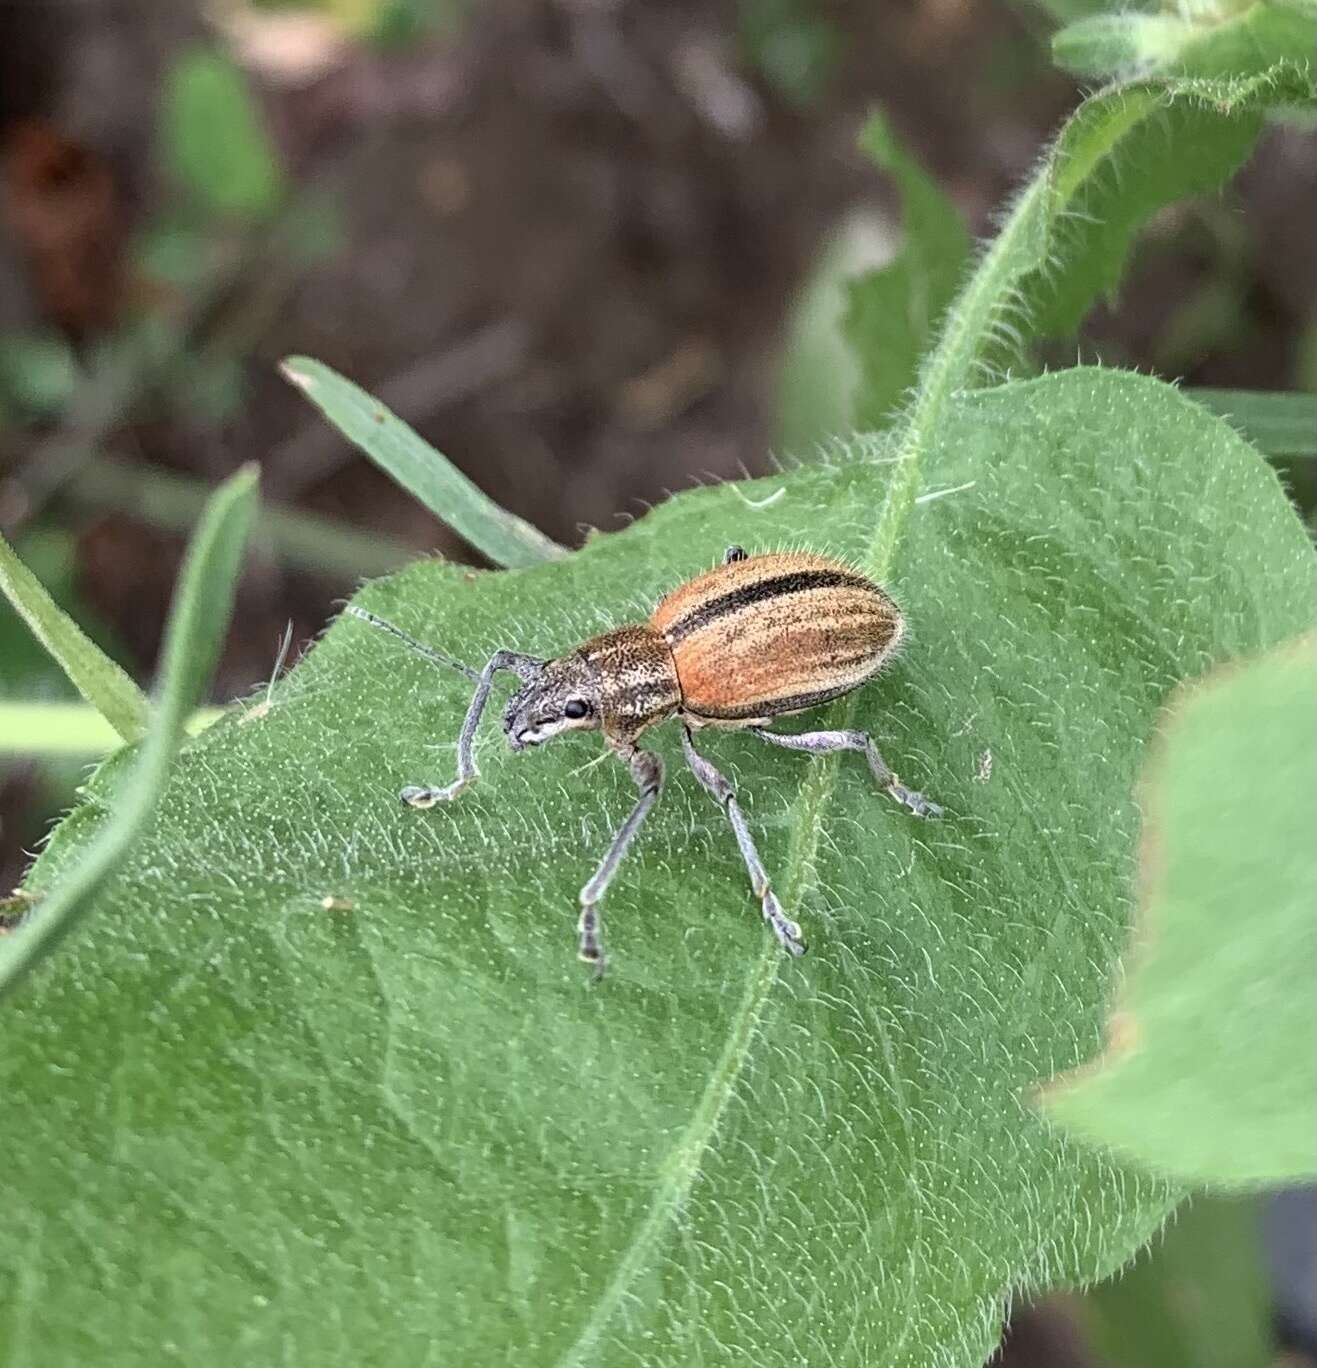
(399, 1127)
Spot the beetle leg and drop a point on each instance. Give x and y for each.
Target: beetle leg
(423, 796)
(718, 788)
(647, 772)
(823, 742)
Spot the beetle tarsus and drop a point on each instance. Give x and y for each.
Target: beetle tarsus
(423, 797)
(916, 802)
(591, 951)
(787, 932)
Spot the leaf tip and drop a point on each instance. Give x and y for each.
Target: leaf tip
(295, 369)
(243, 485)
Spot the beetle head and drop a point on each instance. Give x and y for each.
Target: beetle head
(561, 695)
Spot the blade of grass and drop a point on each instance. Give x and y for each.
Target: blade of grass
(297, 538)
(1278, 424)
(42, 728)
(97, 678)
(198, 617)
(423, 472)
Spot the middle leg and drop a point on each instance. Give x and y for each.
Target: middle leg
(647, 773)
(722, 793)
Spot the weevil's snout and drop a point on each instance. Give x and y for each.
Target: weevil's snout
(562, 697)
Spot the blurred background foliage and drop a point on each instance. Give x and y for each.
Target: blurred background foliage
(593, 251)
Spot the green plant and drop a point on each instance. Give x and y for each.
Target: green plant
(1190, 1084)
(1210, 38)
(325, 1078)
(214, 140)
(1199, 1298)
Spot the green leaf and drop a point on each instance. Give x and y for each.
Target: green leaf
(1279, 424)
(893, 311)
(793, 44)
(97, 678)
(1123, 154)
(820, 372)
(194, 634)
(38, 374)
(1211, 1074)
(330, 1084)
(1201, 1299)
(1238, 40)
(422, 471)
(215, 139)
(1061, 217)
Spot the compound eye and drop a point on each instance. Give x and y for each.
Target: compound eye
(575, 709)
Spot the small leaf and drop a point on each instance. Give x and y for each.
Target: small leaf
(38, 373)
(1211, 1074)
(1276, 423)
(1138, 151)
(1123, 154)
(426, 474)
(820, 370)
(215, 137)
(1242, 41)
(197, 621)
(794, 44)
(96, 677)
(1017, 278)
(894, 311)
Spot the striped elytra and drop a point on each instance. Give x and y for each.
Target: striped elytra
(767, 635)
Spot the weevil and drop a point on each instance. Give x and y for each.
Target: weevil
(757, 638)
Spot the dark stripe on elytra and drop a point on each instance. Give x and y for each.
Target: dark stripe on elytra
(775, 707)
(758, 591)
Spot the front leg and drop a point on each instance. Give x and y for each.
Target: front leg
(722, 793)
(823, 742)
(647, 773)
(423, 796)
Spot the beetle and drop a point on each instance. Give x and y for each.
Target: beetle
(757, 638)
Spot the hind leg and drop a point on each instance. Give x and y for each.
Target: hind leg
(825, 742)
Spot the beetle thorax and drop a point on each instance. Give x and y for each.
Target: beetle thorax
(636, 680)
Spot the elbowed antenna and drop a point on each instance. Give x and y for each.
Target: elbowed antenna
(428, 652)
